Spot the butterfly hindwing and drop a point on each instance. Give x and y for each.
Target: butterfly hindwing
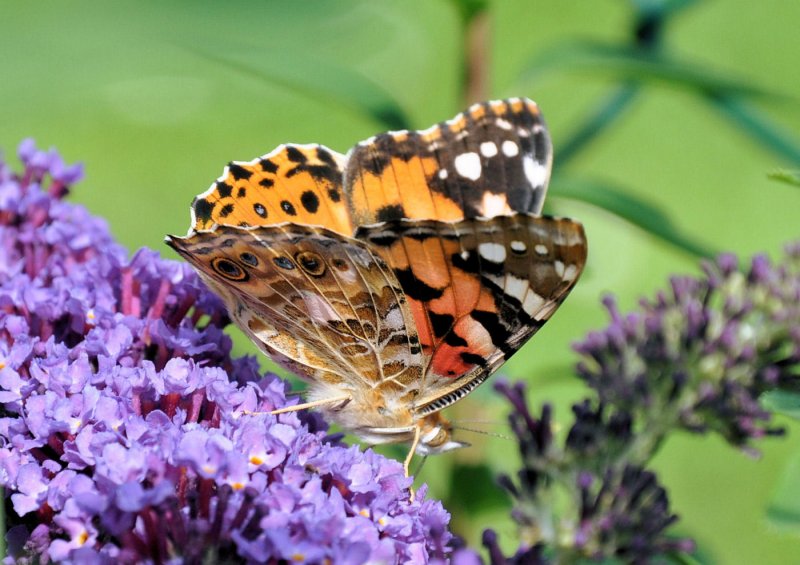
(320, 303)
(479, 289)
(491, 159)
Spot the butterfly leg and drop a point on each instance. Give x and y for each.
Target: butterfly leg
(313, 404)
(407, 463)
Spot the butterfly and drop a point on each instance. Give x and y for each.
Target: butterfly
(397, 278)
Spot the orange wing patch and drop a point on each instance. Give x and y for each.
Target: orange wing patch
(301, 184)
(399, 189)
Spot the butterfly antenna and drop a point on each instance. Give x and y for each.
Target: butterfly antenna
(457, 426)
(418, 470)
(482, 422)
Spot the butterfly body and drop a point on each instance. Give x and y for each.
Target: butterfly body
(398, 278)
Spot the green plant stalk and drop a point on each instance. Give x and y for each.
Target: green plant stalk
(752, 122)
(595, 124)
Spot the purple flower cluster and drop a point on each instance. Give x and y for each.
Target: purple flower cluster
(619, 510)
(700, 355)
(696, 358)
(128, 433)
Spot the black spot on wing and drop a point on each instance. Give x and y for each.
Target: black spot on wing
(310, 201)
(440, 323)
(373, 161)
(203, 209)
(384, 239)
(259, 209)
(283, 262)
(266, 183)
(415, 288)
(334, 195)
(455, 340)
(268, 166)
(288, 207)
(390, 212)
(295, 155)
(472, 359)
(226, 211)
(224, 189)
(241, 193)
(238, 172)
(325, 156)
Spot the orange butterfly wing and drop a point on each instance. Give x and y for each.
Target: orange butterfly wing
(493, 159)
(300, 184)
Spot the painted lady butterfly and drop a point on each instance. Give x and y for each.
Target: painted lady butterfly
(397, 278)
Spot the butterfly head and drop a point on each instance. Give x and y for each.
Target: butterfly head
(436, 435)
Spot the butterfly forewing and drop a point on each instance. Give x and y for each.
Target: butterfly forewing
(492, 159)
(294, 183)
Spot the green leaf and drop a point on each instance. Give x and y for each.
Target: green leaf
(602, 117)
(635, 210)
(308, 75)
(787, 177)
(757, 125)
(782, 402)
(664, 8)
(686, 559)
(632, 64)
(784, 507)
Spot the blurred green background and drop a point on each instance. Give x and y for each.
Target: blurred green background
(155, 98)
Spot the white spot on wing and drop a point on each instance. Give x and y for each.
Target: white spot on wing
(443, 174)
(518, 246)
(559, 267)
(494, 252)
(319, 308)
(488, 149)
(515, 287)
(532, 303)
(570, 273)
(503, 124)
(510, 148)
(540, 249)
(536, 173)
(394, 319)
(468, 165)
(494, 205)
